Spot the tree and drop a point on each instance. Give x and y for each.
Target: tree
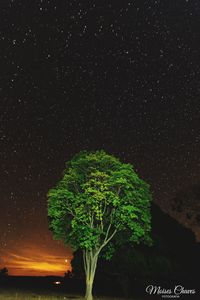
(99, 199)
(3, 272)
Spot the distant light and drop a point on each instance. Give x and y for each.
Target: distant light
(57, 282)
(66, 260)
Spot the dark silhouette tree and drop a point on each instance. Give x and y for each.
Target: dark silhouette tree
(3, 272)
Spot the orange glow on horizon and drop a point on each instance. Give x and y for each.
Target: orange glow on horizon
(37, 261)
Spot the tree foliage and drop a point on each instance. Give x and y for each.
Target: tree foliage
(98, 199)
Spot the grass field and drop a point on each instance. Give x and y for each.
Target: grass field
(23, 295)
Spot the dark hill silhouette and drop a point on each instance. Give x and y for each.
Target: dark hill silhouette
(185, 207)
(176, 242)
(177, 238)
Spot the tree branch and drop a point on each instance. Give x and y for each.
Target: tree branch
(106, 240)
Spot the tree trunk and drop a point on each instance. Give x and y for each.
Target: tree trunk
(90, 264)
(88, 293)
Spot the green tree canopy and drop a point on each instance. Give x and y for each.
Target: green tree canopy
(99, 199)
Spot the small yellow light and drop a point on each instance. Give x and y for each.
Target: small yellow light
(57, 282)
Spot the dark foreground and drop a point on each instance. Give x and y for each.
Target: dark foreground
(49, 288)
(31, 295)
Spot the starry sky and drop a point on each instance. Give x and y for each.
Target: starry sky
(123, 76)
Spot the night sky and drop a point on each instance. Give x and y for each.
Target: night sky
(123, 76)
